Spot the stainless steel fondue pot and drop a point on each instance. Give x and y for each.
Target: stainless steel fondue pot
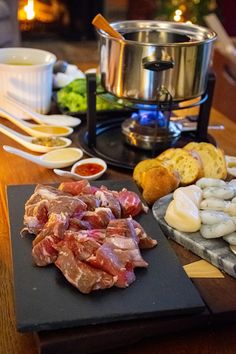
(155, 56)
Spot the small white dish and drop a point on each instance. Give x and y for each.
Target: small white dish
(90, 177)
(58, 158)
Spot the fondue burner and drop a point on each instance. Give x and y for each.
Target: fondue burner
(150, 128)
(140, 130)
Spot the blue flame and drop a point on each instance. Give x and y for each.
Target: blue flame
(146, 117)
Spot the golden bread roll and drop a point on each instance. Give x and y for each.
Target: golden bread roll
(188, 165)
(157, 182)
(213, 159)
(143, 166)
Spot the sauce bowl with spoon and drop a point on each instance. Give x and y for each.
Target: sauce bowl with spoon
(58, 158)
(89, 169)
(37, 130)
(32, 143)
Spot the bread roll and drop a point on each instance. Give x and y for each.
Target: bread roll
(213, 160)
(157, 182)
(143, 166)
(188, 166)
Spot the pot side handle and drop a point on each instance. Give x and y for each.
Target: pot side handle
(158, 65)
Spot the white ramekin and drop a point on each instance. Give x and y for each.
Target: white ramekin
(26, 74)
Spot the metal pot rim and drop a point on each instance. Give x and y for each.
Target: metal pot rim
(198, 34)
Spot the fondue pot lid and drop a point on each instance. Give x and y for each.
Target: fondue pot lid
(161, 33)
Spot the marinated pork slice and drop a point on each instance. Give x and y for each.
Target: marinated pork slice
(44, 245)
(82, 275)
(77, 187)
(130, 202)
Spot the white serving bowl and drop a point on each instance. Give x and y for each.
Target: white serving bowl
(95, 160)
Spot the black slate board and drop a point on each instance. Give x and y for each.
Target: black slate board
(44, 300)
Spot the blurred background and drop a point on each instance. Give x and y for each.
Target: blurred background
(72, 18)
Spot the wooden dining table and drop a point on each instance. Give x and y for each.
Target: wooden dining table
(212, 332)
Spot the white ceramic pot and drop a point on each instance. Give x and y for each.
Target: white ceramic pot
(26, 74)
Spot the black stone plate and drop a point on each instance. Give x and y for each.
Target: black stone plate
(44, 300)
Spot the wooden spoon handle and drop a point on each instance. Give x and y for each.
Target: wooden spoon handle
(101, 23)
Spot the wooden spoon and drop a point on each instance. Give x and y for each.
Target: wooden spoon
(101, 23)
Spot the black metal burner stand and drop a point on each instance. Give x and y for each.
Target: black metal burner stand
(104, 138)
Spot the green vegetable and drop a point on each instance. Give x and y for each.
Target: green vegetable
(74, 99)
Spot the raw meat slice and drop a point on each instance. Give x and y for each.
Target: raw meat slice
(44, 192)
(99, 218)
(44, 250)
(145, 241)
(107, 260)
(122, 227)
(67, 205)
(77, 187)
(36, 216)
(76, 224)
(95, 234)
(127, 251)
(91, 201)
(108, 200)
(80, 244)
(82, 275)
(45, 201)
(130, 202)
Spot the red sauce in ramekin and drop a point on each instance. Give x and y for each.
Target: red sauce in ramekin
(88, 169)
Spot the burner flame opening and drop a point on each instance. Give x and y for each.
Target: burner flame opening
(151, 118)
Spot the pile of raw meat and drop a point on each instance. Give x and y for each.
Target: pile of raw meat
(88, 232)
